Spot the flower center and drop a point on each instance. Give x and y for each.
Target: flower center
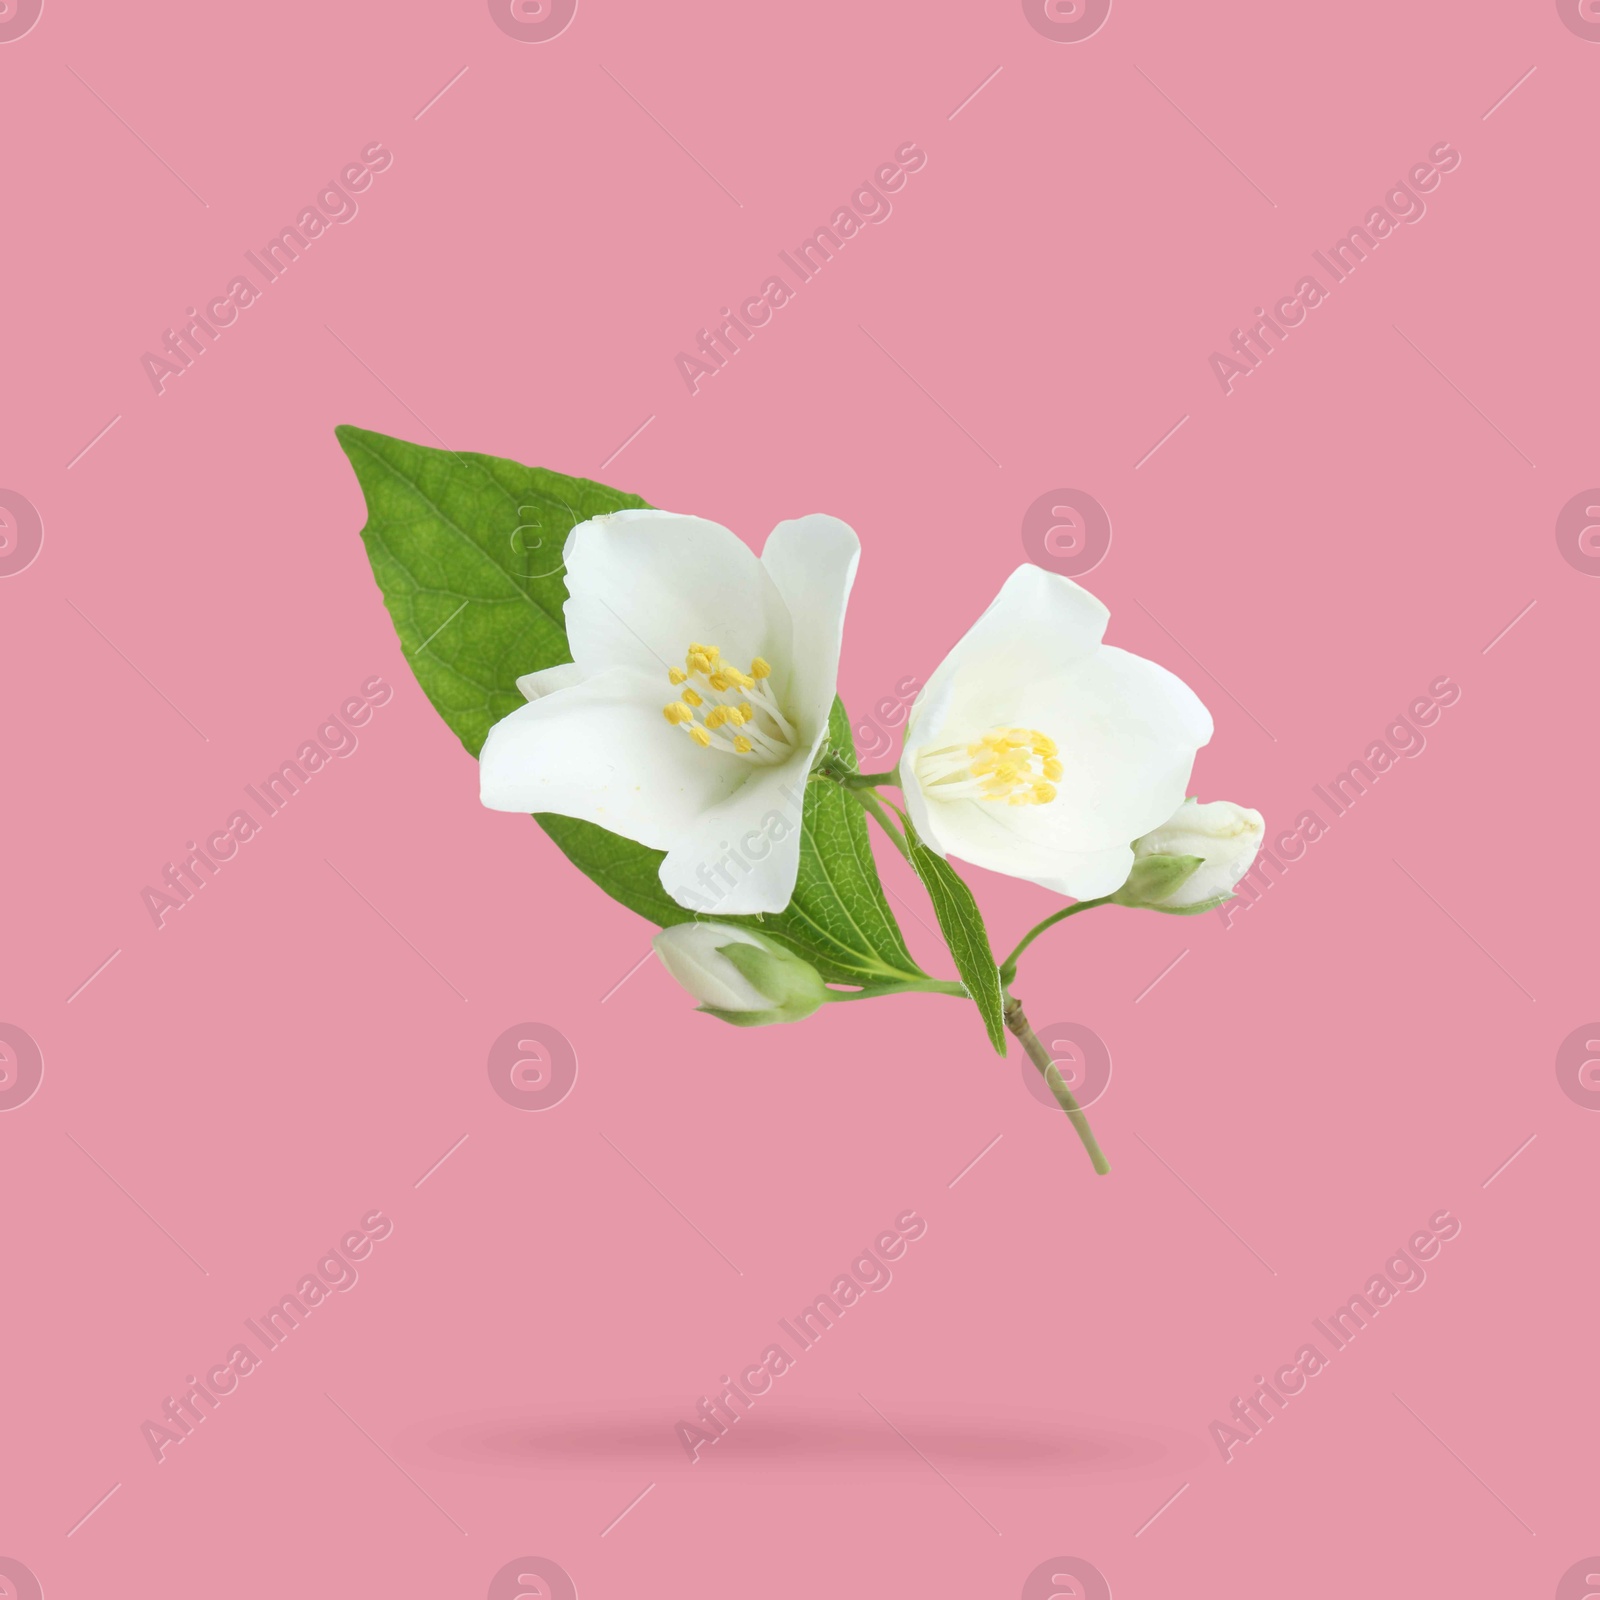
(722, 708)
(1017, 765)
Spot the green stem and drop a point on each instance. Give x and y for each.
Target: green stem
(874, 808)
(870, 780)
(1017, 1022)
(909, 986)
(1009, 969)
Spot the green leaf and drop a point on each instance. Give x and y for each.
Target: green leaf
(467, 553)
(963, 929)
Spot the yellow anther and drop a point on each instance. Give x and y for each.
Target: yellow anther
(1017, 765)
(711, 692)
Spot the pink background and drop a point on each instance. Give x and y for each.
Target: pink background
(1367, 1045)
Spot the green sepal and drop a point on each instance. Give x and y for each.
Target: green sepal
(1156, 878)
(792, 985)
(1195, 910)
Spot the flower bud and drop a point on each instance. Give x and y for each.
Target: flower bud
(1193, 860)
(740, 976)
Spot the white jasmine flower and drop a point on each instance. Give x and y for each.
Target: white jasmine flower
(697, 698)
(1039, 752)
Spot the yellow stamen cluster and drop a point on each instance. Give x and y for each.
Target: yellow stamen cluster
(1016, 765)
(756, 726)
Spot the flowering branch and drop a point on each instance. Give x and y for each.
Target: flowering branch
(664, 690)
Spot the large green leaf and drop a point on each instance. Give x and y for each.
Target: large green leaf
(962, 925)
(467, 553)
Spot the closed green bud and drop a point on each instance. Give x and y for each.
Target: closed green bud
(740, 976)
(1220, 838)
